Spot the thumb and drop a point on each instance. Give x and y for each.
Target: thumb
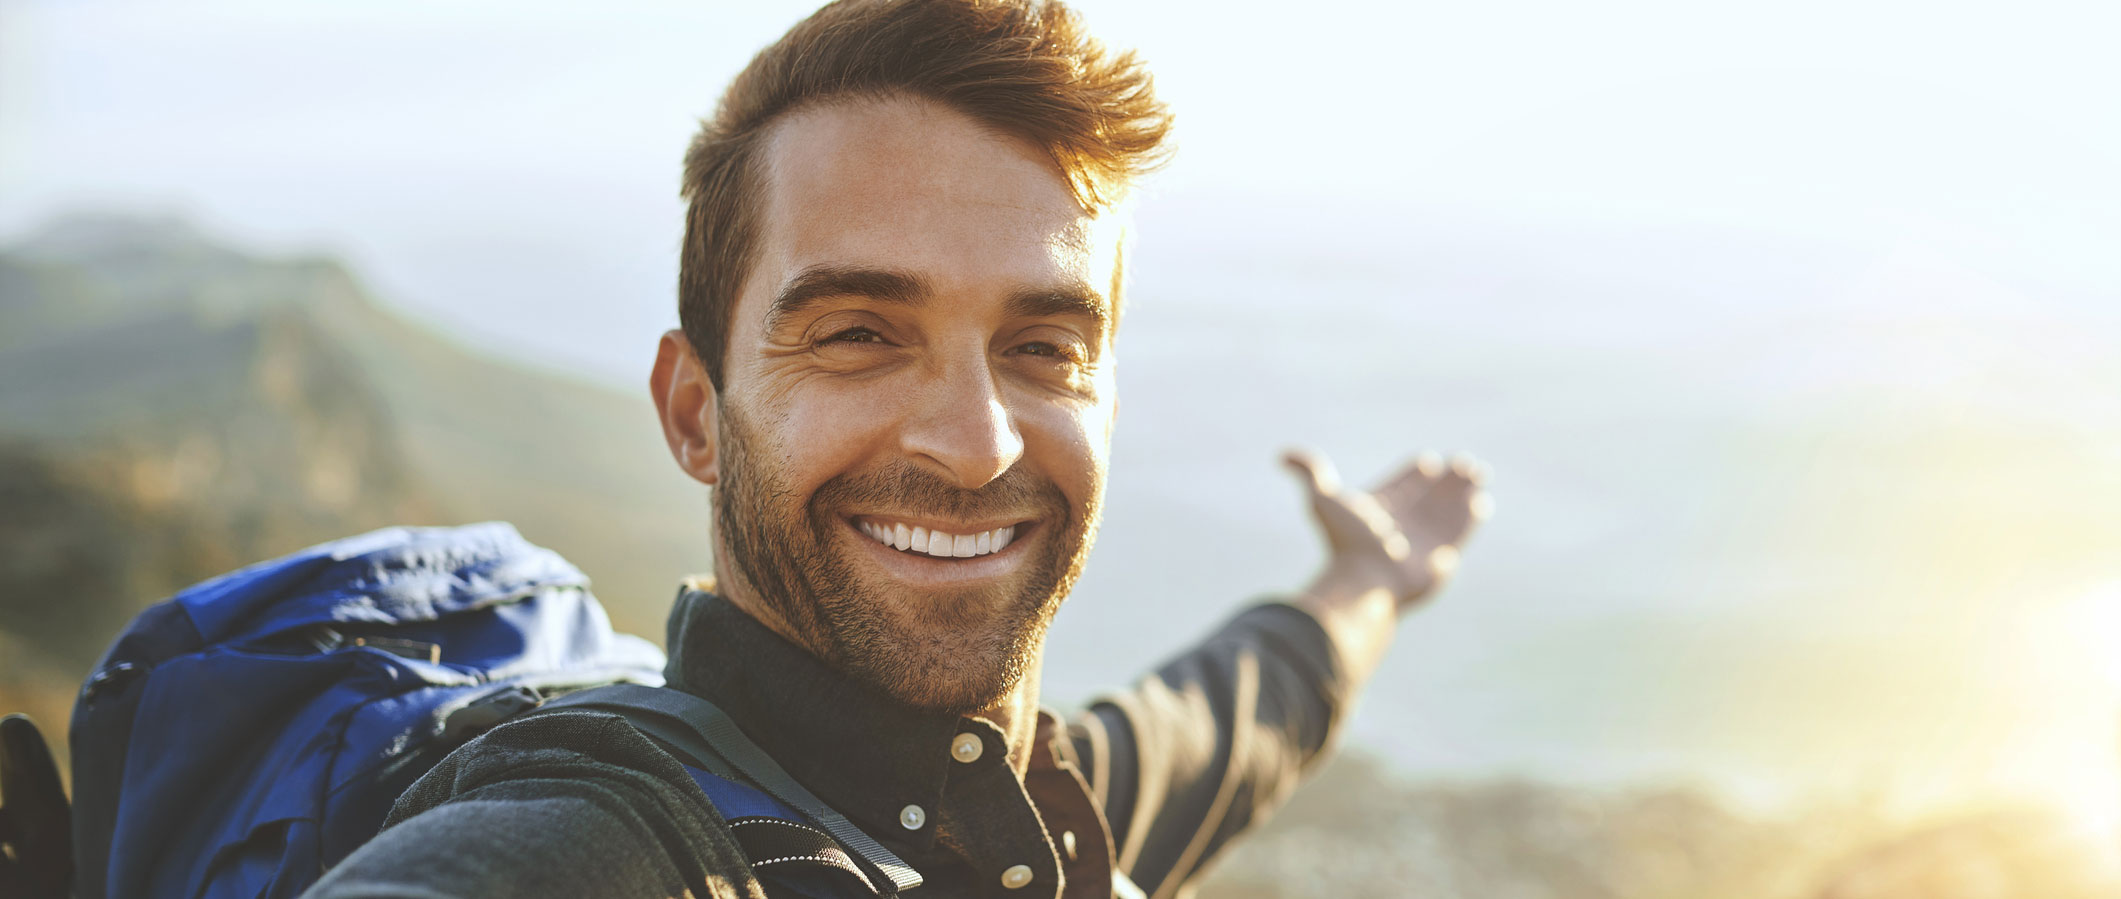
(1314, 470)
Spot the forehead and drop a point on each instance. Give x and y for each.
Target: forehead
(912, 185)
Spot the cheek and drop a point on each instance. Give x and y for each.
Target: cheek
(823, 435)
(1071, 445)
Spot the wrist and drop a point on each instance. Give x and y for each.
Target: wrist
(1357, 611)
(1349, 577)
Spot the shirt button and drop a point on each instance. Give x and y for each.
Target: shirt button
(912, 817)
(967, 748)
(1016, 876)
(1068, 843)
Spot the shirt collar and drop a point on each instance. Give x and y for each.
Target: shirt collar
(860, 751)
(871, 757)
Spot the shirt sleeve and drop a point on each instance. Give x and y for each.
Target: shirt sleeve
(561, 805)
(1212, 742)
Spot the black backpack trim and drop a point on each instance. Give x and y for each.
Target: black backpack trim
(34, 818)
(700, 733)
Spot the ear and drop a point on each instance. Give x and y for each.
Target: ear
(685, 401)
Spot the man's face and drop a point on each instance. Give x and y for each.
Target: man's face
(920, 355)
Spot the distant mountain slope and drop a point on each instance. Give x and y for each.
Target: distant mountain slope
(247, 406)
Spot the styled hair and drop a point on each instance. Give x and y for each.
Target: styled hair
(1023, 67)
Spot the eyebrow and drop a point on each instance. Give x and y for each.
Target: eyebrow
(1075, 298)
(903, 288)
(821, 281)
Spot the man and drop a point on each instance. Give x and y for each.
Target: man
(899, 290)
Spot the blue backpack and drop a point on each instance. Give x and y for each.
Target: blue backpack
(242, 737)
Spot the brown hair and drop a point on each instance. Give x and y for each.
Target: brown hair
(1024, 67)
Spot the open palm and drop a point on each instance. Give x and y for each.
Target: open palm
(1407, 532)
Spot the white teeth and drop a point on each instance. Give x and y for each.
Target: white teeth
(938, 544)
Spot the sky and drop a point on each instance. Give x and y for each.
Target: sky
(1791, 329)
(541, 139)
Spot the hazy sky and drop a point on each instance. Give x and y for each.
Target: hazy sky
(1792, 328)
(482, 157)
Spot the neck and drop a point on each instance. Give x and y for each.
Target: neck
(740, 594)
(1017, 715)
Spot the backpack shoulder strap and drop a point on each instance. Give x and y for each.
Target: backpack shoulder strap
(700, 729)
(782, 847)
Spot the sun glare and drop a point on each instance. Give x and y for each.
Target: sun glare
(2092, 797)
(2098, 614)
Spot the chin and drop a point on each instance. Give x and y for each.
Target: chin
(952, 652)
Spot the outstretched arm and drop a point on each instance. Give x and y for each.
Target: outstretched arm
(1210, 743)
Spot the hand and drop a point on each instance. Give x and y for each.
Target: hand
(1405, 535)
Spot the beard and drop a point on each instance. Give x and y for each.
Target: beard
(950, 651)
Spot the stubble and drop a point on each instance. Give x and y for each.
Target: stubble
(950, 651)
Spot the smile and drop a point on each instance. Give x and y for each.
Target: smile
(900, 536)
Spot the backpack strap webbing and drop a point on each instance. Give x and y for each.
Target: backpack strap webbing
(701, 729)
(774, 837)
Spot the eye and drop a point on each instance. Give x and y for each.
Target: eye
(1063, 351)
(854, 335)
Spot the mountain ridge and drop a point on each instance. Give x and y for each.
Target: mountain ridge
(267, 403)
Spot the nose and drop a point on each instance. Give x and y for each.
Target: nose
(962, 427)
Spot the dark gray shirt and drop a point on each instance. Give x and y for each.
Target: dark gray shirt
(1148, 783)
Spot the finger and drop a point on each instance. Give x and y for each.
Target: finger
(1482, 506)
(1426, 465)
(1466, 466)
(1443, 562)
(1413, 479)
(1453, 506)
(1315, 470)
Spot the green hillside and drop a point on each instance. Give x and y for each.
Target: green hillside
(171, 407)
